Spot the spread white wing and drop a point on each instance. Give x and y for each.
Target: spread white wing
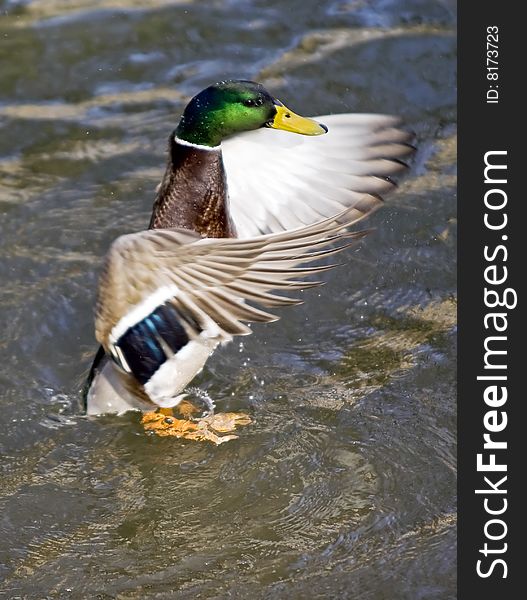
(279, 181)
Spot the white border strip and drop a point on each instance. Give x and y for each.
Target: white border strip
(142, 310)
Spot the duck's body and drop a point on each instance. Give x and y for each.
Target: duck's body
(113, 390)
(167, 299)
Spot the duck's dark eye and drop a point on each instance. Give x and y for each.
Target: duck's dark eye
(253, 102)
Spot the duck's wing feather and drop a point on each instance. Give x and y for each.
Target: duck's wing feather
(279, 181)
(215, 285)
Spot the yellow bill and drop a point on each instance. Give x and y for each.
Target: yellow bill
(287, 120)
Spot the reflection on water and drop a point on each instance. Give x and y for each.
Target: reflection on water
(343, 487)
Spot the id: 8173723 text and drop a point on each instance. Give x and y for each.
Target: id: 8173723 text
(492, 64)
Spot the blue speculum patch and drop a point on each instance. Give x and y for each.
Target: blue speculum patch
(141, 344)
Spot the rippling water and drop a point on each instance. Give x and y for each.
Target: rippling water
(344, 486)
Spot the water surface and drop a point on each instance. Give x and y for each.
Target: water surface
(344, 486)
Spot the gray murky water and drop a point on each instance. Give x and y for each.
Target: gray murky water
(344, 486)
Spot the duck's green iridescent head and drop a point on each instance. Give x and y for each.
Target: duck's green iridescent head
(234, 106)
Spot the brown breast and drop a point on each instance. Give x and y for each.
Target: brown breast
(193, 192)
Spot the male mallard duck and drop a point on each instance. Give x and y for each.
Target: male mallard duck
(235, 219)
